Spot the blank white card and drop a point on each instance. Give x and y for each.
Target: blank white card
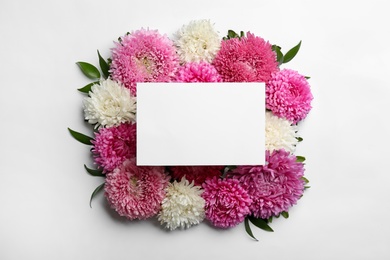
(200, 124)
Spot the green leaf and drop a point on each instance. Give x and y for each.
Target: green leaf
(307, 77)
(89, 70)
(232, 34)
(81, 137)
(285, 214)
(98, 173)
(260, 223)
(88, 87)
(96, 191)
(306, 187)
(300, 139)
(248, 229)
(300, 158)
(104, 66)
(242, 34)
(270, 219)
(291, 53)
(305, 180)
(279, 54)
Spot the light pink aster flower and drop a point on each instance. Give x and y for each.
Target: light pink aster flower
(275, 187)
(227, 203)
(113, 145)
(198, 72)
(246, 59)
(143, 56)
(136, 192)
(198, 174)
(288, 95)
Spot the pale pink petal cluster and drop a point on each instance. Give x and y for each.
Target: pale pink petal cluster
(136, 192)
(274, 187)
(227, 203)
(143, 56)
(246, 59)
(288, 95)
(198, 72)
(113, 145)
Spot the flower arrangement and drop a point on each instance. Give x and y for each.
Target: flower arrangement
(183, 196)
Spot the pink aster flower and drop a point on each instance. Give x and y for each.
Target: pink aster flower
(275, 187)
(198, 72)
(227, 203)
(136, 192)
(246, 59)
(113, 145)
(288, 95)
(143, 56)
(198, 174)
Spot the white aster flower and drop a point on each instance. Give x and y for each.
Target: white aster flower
(183, 205)
(279, 133)
(197, 41)
(109, 104)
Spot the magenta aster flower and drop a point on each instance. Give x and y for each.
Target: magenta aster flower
(136, 192)
(143, 56)
(288, 95)
(198, 174)
(227, 203)
(198, 72)
(275, 187)
(246, 59)
(113, 145)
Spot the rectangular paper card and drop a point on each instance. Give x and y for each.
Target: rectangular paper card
(200, 124)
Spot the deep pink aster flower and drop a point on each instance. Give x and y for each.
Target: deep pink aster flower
(143, 56)
(198, 174)
(288, 95)
(227, 203)
(136, 192)
(114, 145)
(275, 187)
(198, 72)
(248, 59)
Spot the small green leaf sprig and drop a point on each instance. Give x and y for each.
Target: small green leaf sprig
(93, 73)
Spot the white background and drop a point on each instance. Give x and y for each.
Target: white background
(44, 190)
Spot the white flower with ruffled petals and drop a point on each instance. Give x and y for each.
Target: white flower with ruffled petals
(197, 41)
(109, 104)
(279, 133)
(183, 205)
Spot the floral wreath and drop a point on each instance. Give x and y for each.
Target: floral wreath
(183, 196)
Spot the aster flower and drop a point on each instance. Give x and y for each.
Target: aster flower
(275, 187)
(197, 174)
(113, 145)
(143, 56)
(246, 59)
(109, 104)
(227, 203)
(136, 192)
(197, 41)
(288, 95)
(198, 72)
(279, 133)
(183, 206)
